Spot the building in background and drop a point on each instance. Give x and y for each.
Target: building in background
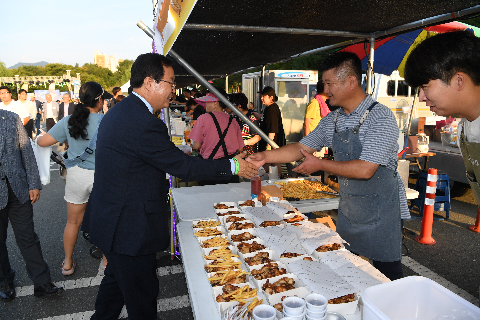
(104, 61)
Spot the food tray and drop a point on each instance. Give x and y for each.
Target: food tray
(202, 239)
(222, 306)
(286, 261)
(237, 232)
(248, 278)
(258, 240)
(344, 308)
(257, 204)
(273, 299)
(280, 265)
(227, 225)
(221, 212)
(194, 222)
(241, 266)
(319, 255)
(223, 219)
(206, 251)
(260, 283)
(230, 204)
(271, 254)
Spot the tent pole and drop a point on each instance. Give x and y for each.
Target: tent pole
(212, 89)
(369, 87)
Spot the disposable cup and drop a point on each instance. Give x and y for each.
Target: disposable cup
(264, 312)
(316, 302)
(293, 306)
(307, 317)
(297, 317)
(316, 315)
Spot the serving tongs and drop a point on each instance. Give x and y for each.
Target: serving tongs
(330, 193)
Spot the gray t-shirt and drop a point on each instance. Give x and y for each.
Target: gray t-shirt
(76, 146)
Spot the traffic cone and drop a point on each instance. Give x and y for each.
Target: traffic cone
(428, 208)
(476, 227)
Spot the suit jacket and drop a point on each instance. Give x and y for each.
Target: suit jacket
(127, 209)
(38, 104)
(61, 111)
(55, 108)
(17, 160)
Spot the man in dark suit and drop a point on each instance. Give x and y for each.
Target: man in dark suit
(126, 215)
(19, 189)
(66, 107)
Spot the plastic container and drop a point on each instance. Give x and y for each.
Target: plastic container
(293, 306)
(264, 312)
(316, 302)
(415, 298)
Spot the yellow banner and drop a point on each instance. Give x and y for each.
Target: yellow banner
(170, 18)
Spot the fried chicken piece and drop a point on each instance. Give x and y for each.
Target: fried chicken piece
(343, 299)
(279, 307)
(281, 285)
(241, 226)
(329, 247)
(295, 218)
(245, 247)
(259, 258)
(242, 237)
(269, 270)
(228, 213)
(296, 224)
(248, 203)
(308, 258)
(290, 255)
(269, 224)
(222, 206)
(234, 219)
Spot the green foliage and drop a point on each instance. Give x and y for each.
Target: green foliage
(88, 72)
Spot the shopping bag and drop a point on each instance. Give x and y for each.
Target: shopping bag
(42, 155)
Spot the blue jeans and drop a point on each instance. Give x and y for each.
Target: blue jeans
(37, 123)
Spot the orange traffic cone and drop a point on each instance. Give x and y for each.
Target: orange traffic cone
(428, 208)
(476, 227)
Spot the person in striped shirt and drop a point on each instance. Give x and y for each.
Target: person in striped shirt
(363, 136)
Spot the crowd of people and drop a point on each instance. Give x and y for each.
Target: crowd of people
(117, 161)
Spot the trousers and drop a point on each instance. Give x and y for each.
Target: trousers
(21, 218)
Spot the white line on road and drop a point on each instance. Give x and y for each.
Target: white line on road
(427, 273)
(162, 305)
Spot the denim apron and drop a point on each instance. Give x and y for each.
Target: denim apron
(471, 158)
(369, 210)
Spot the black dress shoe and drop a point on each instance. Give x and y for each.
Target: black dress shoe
(47, 288)
(7, 291)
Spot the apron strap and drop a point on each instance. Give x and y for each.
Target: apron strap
(221, 136)
(362, 119)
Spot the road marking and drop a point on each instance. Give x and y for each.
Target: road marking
(94, 281)
(162, 305)
(427, 273)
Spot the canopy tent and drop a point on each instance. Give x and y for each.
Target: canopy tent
(125, 86)
(225, 37)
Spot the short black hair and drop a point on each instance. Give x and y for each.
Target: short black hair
(6, 88)
(148, 65)
(345, 63)
(320, 87)
(239, 99)
(115, 90)
(443, 55)
(223, 93)
(21, 90)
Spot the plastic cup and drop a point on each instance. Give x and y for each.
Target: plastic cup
(316, 302)
(293, 306)
(307, 317)
(264, 312)
(297, 317)
(316, 315)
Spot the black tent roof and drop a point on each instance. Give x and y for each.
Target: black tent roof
(215, 53)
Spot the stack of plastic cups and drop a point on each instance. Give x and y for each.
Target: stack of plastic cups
(294, 308)
(316, 307)
(264, 312)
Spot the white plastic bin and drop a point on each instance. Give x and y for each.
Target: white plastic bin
(415, 298)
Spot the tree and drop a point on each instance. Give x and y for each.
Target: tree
(4, 72)
(122, 75)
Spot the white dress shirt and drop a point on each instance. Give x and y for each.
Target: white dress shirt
(16, 107)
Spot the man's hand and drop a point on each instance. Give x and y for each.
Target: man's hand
(247, 170)
(34, 195)
(258, 159)
(311, 164)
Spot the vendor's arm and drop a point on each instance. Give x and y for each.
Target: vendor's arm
(306, 126)
(357, 169)
(288, 153)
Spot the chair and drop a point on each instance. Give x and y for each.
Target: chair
(442, 194)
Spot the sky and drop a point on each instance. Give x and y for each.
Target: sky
(70, 31)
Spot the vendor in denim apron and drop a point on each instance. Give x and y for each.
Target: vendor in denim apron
(363, 136)
(447, 70)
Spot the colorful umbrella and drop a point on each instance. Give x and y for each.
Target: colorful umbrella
(391, 53)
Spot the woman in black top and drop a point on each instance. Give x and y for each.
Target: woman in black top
(271, 123)
(250, 137)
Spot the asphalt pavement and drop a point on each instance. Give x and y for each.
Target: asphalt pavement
(452, 262)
